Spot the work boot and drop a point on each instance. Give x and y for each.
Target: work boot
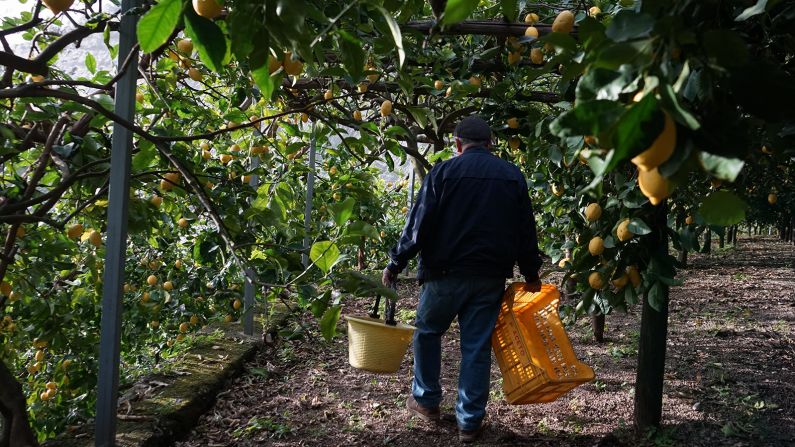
(424, 413)
(467, 436)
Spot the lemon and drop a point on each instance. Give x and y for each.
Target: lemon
(39, 356)
(182, 222)
(514, 57)
(328, 95)
(185, 46)
(194, 320)
(634, 276)
(139, 97)
(386, 108)
(557, 190)
(209, 9)
(623, 232)
(292, 66)
(74, 231)
(514, 142)
(537, 56)
(156, 201)
(183, 327)
(357, 115)
(154, 324)
(95, 238)
(562, 263)
(228, 319)
(689, 220)
(57, 6)
(772, 198)
(237, 304)
(475, 80)
(621, 281)
(168, 286)
(151, 280)
(513, 123)
(593, 212)
(5, 288)
(273, 64)
(362, 88)
(660, 150)
(594, 11)
(531, 31)
(653, 185)
(438, 85)
(531, 18)
(596, 246)
(563, 23)
(207, 155)
(195, 74)
(596, 281)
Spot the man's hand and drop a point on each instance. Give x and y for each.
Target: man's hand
(534, 286)
(388, 278)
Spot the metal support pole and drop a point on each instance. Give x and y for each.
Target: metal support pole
(116, 243)
(248, 303)
(310, 191)
(411, 204)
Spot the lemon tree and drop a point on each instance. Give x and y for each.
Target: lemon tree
(635, 108)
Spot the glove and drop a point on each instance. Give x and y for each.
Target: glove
(388, 277)
(533, 286)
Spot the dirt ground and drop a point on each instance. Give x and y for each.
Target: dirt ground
(730, 377)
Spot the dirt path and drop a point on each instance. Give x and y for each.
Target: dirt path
(730, 377)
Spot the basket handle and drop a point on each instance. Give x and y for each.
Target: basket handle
(374, 311)
(389, 309)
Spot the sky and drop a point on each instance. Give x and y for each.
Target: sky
(72, 59)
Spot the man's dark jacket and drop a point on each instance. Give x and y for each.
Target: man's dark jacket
(472, 217)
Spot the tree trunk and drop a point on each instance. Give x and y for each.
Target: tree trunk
(360, 257)
(707, 241)
(722, 238)
(16, 430)
(598, 326)
(683, 258)
(651, 345)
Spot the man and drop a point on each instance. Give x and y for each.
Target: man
(471, 223)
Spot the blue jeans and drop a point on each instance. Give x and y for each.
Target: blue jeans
(476, 302)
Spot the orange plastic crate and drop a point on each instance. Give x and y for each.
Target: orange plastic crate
(534, 353)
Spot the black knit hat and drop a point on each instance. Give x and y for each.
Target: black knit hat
(473, 128)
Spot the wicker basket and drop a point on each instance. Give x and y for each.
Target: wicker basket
(535, 356)
(375, 346)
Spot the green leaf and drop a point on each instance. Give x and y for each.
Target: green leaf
(638, 226)
(601, 83)
(91, 63)
(657, 296)
(509, 9)
(260, 72)
(671, 104)
(722, 208)
(723, 168)
(751, 11)
(560, 40)
(145, 158)
(208, 39)
(588, 118)
(628, 25)
(725, 47)
(353, 55)
(637, 129)
(342, 211)
(361, 285)
(156, 26)
(458, 10)
(324, 254)
(328, 323)
(396, 35)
